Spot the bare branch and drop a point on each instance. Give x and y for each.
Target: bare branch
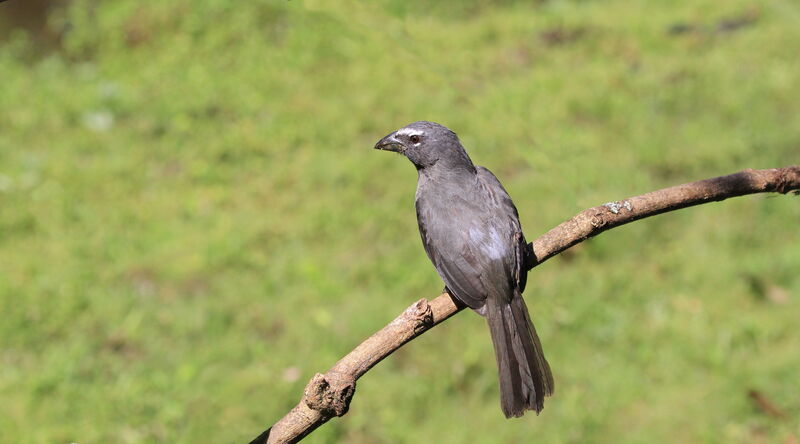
(594, 221)
(329, 395)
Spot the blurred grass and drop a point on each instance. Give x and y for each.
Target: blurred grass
(192, 220)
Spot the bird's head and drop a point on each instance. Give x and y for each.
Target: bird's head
(427, 144)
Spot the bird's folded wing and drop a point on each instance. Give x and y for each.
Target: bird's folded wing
(463, 278)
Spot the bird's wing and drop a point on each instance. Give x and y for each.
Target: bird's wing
(506, 213)
(447, 244)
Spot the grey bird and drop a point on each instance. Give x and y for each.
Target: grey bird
(471, 232)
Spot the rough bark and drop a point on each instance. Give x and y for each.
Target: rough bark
(329, 395)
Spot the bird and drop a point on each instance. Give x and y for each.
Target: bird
(471, 233)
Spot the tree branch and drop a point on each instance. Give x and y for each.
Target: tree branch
(329, 395)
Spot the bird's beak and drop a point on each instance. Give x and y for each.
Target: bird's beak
(390, 143)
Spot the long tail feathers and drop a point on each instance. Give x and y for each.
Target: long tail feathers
(525, 377)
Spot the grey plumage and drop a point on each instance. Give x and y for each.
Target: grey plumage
(471, 232)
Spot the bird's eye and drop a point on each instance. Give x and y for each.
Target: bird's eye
(414, 139)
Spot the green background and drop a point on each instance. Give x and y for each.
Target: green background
(193, 220)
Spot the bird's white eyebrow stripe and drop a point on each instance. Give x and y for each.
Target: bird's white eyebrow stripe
(409, 132)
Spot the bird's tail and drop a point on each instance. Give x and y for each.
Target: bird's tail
(525, 377)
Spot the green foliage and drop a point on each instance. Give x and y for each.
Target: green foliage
(193, 222)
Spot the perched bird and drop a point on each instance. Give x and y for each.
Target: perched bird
(471, 232)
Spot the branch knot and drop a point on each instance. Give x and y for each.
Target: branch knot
(785, 183)
(330, 394)
(597, 219)
(421, 315)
